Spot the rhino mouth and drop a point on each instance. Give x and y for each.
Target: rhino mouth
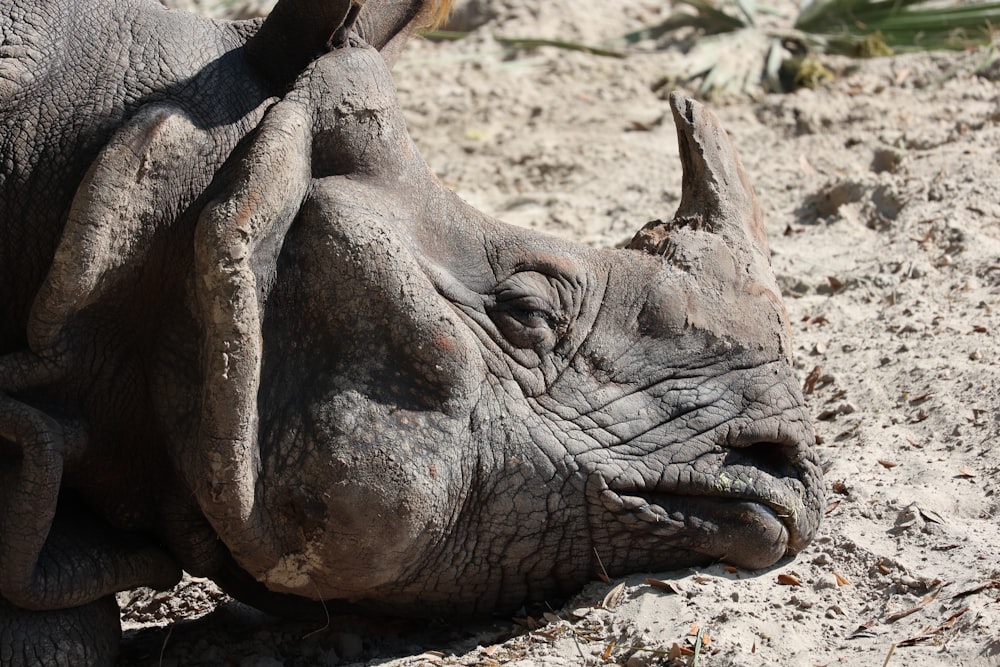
(748, 510)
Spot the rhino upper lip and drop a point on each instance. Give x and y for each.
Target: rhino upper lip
(757, 477)
(652, 506)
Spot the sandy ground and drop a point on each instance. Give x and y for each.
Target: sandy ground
(880, 193)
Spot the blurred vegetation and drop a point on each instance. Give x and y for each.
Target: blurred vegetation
(737, 47)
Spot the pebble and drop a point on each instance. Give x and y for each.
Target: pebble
(261, 661)
(348, 645)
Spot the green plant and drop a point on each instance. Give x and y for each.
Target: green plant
(779, 57)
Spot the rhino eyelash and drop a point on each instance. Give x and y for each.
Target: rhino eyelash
(557, 324)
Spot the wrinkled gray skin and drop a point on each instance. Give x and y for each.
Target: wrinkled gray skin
(246, 333)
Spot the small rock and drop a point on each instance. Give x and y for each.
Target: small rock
(261, 661)
(348, 646)
(637, 660)
(801, 603)
(825, 582)
(886, 160)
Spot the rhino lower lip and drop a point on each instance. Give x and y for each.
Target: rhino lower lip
(751, 533)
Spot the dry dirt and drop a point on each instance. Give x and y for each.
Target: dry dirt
(880, 193)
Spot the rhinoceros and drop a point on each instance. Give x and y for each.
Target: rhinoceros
(247, 334)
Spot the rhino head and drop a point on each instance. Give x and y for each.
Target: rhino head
(261, 342)
(409, 404)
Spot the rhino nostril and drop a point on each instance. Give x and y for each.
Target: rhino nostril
(773, 457)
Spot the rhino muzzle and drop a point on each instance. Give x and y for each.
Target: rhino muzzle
(751, 508)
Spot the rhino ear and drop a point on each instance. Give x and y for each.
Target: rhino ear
(296, 32)
(237, 241)
(387, 24)
(715, 193)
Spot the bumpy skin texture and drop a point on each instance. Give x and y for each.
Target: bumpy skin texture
(247, 333)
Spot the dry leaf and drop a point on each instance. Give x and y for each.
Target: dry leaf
(932, 634)
(675, 651)
(788, 580)
(837, 395)
(693, 629)
(809, 386)
(702, 579)
(607, 652)
(963, 472)
(804, 165)
(950, 622)
(550, 617)
(887, 464)
(830, 507)
(841, 579)
(614, 596)
(992, 583)
(930, 515)
(529, 622)
(665, 586)
(863, 628)
(913, 641)
(731, 569)
(926, 600)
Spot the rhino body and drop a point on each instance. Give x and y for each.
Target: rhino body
(246, 333)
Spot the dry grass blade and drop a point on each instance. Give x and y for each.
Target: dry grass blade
(524, 43)
(892, 647)
(535, 42)
(603, 574)
(697, 647)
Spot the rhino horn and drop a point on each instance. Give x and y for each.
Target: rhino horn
(716, 195)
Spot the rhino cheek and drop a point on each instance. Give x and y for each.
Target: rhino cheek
(361, 497)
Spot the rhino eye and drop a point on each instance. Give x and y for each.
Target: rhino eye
(527, 320)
